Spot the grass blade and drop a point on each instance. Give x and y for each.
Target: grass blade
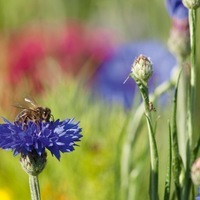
(168, 175)
(176, 158)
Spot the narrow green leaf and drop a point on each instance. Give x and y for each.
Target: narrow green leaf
(187, 183)
(195, 150)
(153, 186)
(153, 145)
(176, 158)
(118, 178)
(168, 175)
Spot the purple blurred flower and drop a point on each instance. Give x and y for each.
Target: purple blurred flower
(58, 136)
(198, 195)
(176, 9)
(108, 82)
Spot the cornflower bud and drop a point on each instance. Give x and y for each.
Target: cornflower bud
(191, 4)
(32, 163)
(179, 40)
(142, 68)
(195, 172)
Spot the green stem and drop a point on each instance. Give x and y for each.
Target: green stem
(191, 99)
(182, 111)
(34, 187)
(192, 88)
(176, 162)
(168, 175)
(152, 144)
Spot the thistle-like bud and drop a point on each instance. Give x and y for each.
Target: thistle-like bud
(179, 40)
(195, 172)
(191, 4)
(32, 163)
(142, 68)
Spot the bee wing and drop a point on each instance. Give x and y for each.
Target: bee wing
(31, 101)
(20, 106)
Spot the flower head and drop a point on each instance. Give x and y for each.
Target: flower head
(191, 3)
(179, 40)
(142, 68)
(58, 136)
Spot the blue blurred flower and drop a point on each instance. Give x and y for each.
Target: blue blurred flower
(58, 136)
(176, 9)
(108, 82)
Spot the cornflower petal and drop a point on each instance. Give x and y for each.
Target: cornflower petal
(58, 136)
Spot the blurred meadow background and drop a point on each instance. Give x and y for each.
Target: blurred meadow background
(73, 57)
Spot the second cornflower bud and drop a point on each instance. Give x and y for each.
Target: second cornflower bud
(142, 68)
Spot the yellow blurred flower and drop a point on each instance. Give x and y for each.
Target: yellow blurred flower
(5, 194)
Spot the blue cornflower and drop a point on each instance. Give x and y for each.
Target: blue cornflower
(176, 9)
(56, 136)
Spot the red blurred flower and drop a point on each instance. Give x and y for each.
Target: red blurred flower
(79, 47)
(26, 51)
(100, 45)
(70, 47)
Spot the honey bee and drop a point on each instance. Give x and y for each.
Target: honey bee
(34, 113)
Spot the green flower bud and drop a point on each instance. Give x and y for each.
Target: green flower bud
(195, 172)
(191, 4)
(32, 163)
(142, 68)
(179, 40)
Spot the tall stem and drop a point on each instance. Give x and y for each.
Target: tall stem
(192, 88)
(153, 146)
(191, 98)
(34, 187)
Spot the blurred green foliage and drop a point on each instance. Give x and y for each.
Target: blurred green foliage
(88, 172)
(133, 19)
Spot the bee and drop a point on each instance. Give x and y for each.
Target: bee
(34, 113)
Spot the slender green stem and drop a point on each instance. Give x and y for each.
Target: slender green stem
(34, 187)
(192, 88)
(176, 158)
(154, 162)
(182, 111)
(190, 104)
(191, 100)
(168, 175)
(152, 143)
